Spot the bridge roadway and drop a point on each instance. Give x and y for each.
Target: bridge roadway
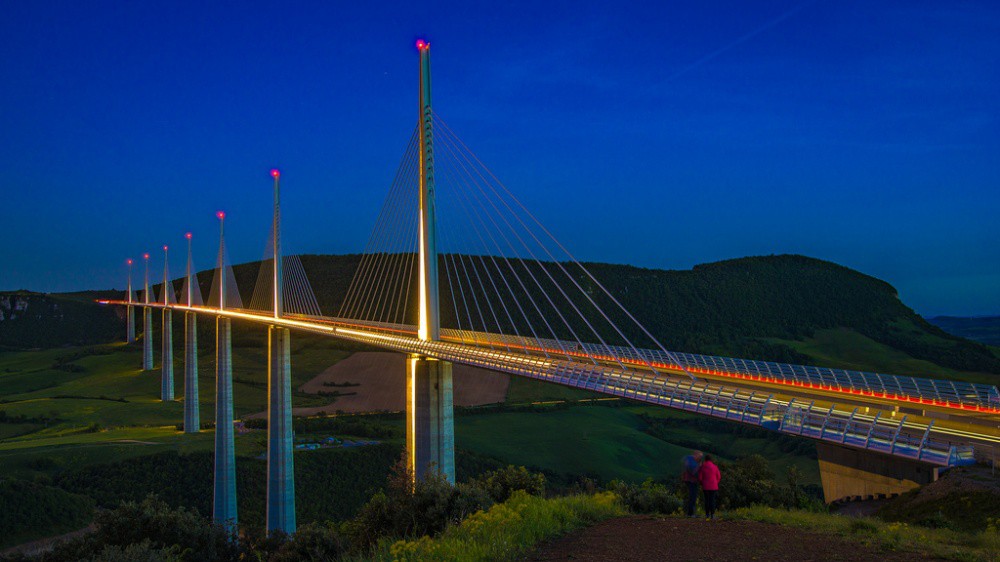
(934, 432)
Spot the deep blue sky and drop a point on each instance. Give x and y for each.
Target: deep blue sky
(663, 134)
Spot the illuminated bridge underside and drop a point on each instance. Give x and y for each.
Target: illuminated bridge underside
(593, 368)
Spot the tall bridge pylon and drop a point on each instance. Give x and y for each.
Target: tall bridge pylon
(224, 484)
(192, 417)
(130, 310)
(167, 361)
(280, 469)
(430, 429)
(147, 321)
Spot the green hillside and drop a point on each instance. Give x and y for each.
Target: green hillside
(35, 320)
(782, 308)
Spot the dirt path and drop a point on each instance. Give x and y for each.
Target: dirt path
(648, 539)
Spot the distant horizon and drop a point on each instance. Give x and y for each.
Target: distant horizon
(157, 280)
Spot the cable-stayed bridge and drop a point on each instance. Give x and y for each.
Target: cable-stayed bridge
(457, 270)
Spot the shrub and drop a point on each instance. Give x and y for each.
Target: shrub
(501, 483)
(144, 551)
(315, 541)
(750, 481)
(648, 497)
(408, 510)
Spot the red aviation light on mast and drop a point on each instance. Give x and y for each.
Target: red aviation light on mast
(422, 45)
(145, 256)
(129, 261)
(164, 247)
(188, 236)
(220, 215)
(275, 173)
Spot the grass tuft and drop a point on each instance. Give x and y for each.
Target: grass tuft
(507, 530)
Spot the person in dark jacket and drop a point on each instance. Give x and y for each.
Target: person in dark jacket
(689, 475)
(709, 477)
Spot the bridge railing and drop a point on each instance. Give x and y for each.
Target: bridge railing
(881, 435)
(912, 389)
(699, 396)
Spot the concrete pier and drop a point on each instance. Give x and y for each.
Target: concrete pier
(147, 339)
(130, 324)
(224, 504)
(280, 439)
(192, 417)
(853, 474)
(167, 366)
(430, 429)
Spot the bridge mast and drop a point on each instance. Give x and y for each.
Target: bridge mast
(430, 434)
(276, 227)
(147, 322)
(430, 324)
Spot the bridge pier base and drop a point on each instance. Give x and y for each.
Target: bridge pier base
(192, 417)
(849, 473)
(430, 429)
(280, 442)
(130, 324)
(224, 504)
(167, 366)
(147, 339)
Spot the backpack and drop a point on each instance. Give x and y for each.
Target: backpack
(690, 473)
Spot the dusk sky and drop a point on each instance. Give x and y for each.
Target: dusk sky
(661, 134)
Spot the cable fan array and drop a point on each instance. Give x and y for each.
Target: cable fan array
(505, 281)
(297, 295)
(224, 270)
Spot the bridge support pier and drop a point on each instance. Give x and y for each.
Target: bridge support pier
(130, 324)
(430, 429)
(224, 505)
(280, 441)
(147, 339)
(167, 367)
(192, 417)
(849, 473)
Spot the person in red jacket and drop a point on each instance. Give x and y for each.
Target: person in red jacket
(708, 477)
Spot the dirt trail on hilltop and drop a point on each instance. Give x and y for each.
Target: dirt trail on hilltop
(650, 539)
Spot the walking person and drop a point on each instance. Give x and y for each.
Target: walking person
(709, 477)
(689, 475)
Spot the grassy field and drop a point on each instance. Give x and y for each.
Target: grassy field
(75, 383)
(65, 392)
(528, 391)
(88, 405)
(610, 442)
(600, 441)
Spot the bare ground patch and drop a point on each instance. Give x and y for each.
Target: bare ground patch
(381, 385)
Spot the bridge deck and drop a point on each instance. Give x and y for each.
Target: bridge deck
(647, 377)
